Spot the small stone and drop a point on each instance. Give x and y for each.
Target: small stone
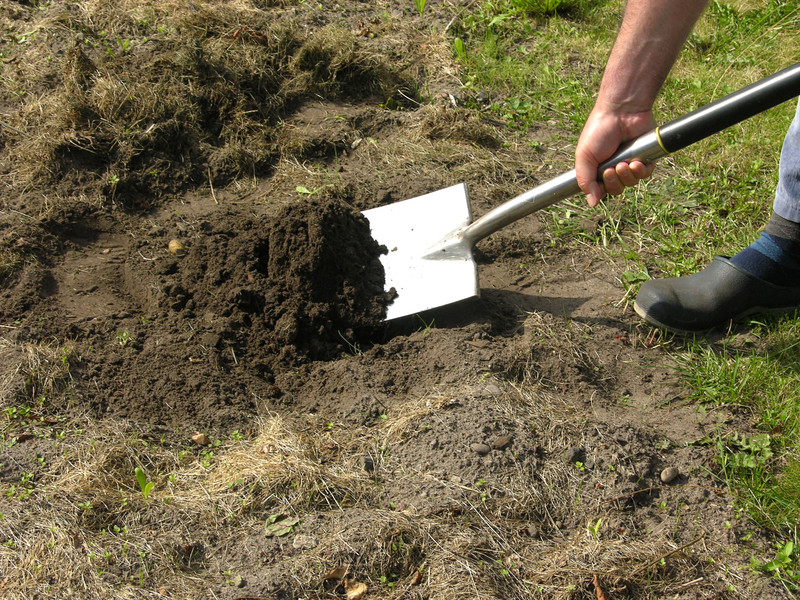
(304, 542)
(502, 442)
(177, 248)
(481, 449)
(238, 581)
(669, 474)
(201, 439)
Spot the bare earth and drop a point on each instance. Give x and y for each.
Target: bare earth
(464, 453)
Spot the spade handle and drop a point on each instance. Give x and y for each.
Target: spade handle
(671, 137)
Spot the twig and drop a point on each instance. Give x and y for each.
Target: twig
(690, 583)
(5, 125)
(211, 185)
(601, 595)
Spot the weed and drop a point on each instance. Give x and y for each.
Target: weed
(426, 326)
(593, 531)
(460, 50)
(785, 566)
(125, 339)
(145, 486)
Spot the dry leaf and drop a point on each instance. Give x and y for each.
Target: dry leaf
(201, 439)
(279, 525)
(354, 590)
(601, 595)
(337, 574)
(417, 578)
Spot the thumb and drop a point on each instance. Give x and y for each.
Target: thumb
(594, 193)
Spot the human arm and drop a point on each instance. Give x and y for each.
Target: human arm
(649, 40)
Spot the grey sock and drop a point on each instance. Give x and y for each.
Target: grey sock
(782, 228)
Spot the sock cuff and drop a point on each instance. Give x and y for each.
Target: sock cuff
(766, 245)
(783, 228)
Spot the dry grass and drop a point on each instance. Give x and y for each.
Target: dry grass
(151, 98)
(78, 525)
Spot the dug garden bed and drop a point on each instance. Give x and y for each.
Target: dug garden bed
(188, 288)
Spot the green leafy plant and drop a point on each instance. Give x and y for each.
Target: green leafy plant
(420, 4)
(144, 485)
(125, 339)
(783, 567)
(593, 531)
(782, 560)
(458, 45)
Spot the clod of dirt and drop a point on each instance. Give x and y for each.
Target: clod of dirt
(301, 285)
(502, 442)
(480, 449)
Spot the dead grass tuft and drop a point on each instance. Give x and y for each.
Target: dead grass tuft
(153, 99)
(10, 263)
(443, 122)
(32, 373)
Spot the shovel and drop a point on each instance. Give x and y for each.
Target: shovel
(430, 238)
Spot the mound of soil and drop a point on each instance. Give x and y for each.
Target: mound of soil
(278, 290)
(201, 322)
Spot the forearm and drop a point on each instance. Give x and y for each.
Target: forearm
(650, 37)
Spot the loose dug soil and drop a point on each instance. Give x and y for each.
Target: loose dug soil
(228, 286)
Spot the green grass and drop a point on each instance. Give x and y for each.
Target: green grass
(763, 382)
(525, 57)
(712, 198)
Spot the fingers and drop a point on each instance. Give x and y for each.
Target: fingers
(617, 178)
(605, 129)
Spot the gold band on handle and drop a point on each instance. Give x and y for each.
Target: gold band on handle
(660, 142)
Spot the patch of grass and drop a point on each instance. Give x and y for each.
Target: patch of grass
(529, 62)
(552, 7)
(762, 469)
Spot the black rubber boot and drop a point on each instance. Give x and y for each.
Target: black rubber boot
(716, 295)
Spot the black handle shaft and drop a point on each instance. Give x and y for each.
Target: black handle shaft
(731, 109)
